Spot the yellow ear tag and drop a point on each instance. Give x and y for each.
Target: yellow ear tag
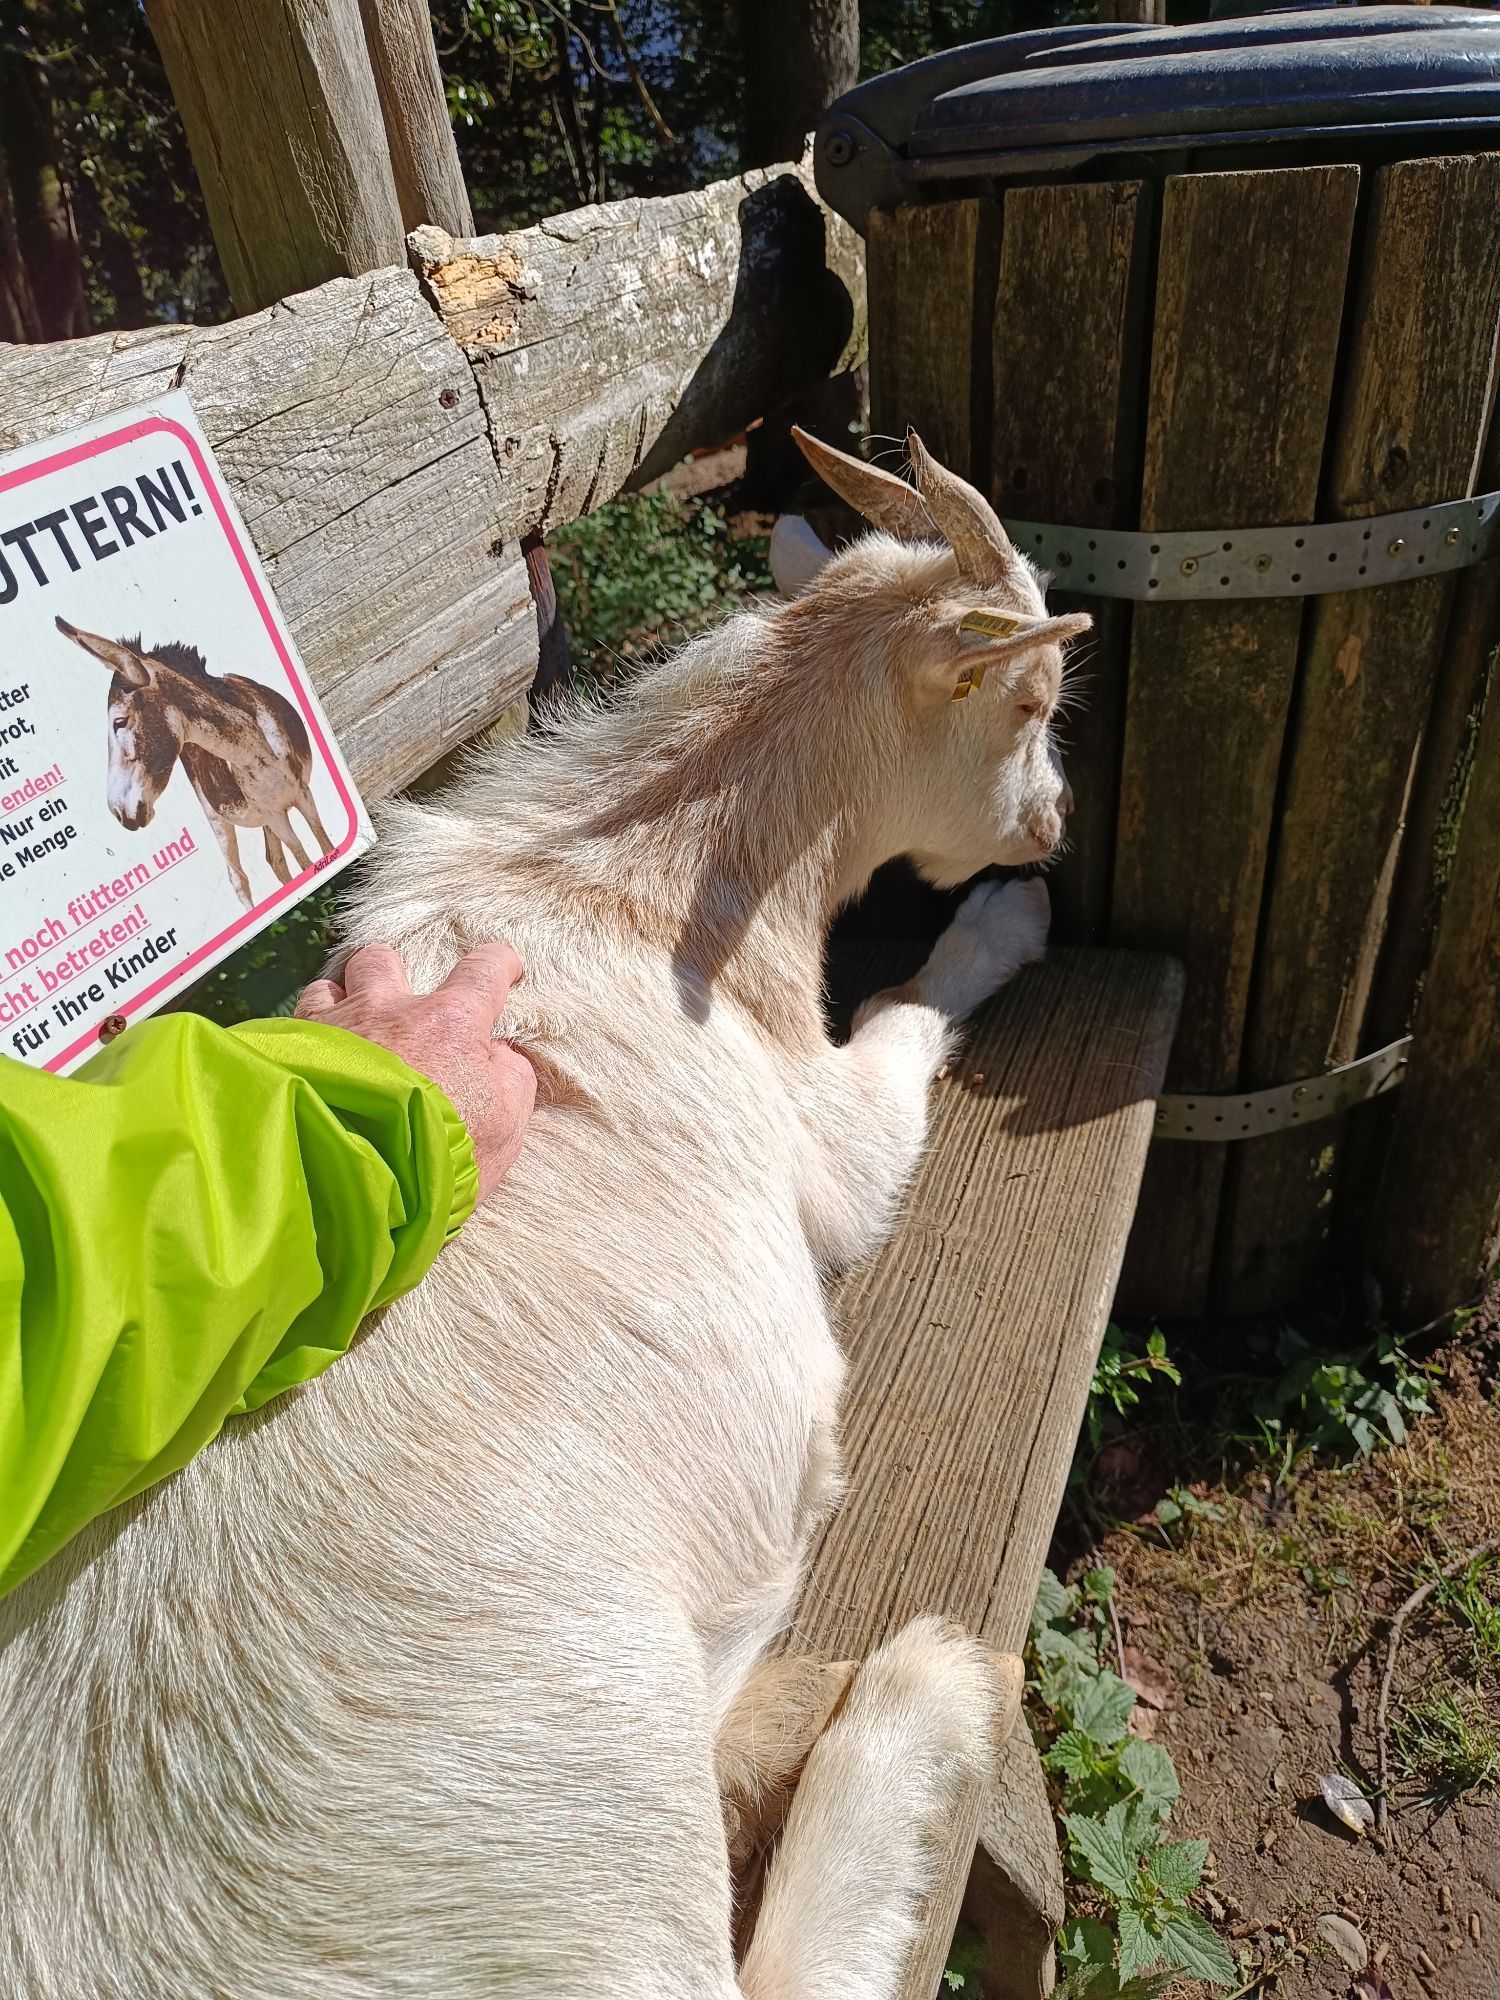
(993, 624)
(968, 680)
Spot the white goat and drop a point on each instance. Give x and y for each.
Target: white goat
(410, 1684)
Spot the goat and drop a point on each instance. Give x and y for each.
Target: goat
(244, 747)
(411, 1683)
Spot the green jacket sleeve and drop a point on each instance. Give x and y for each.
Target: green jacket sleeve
(196, 1220)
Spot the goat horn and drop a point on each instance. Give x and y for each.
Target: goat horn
(884, 500)
(964, 518)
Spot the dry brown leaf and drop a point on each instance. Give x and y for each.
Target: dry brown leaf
(1153, 1683)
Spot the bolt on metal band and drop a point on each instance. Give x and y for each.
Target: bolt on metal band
(1251, 1114)
(1308, 561)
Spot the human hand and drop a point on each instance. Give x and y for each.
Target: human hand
(447, 1035)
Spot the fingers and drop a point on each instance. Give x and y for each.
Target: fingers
(485, 976)
(376, 973)
(318, 999)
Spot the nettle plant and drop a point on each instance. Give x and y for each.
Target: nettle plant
(1130, 1929)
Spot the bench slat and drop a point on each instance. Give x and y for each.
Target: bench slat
(973, 1334)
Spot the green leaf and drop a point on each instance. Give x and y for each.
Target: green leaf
(1150, 1769)
(1098, 1586)
(1156, 1343)
(1051, 1600)
(1187, 1941)
(1101, 1845)
(1178, 1869)
(1087, 1942)
(1168, 1511)
(1074, 1753)
(1140, 1947)
(1102, 1711)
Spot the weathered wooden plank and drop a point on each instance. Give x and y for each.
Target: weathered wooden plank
(972, 1336)
(1066, 449)
(1015, 1898)
(932, 280)
(1434, 1235)
(1241, 374)
(283, 118)
(351, 431)
(610, 342)
(1416, 399)
(424, 159)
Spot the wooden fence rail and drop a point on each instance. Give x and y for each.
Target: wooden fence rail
(391, 438)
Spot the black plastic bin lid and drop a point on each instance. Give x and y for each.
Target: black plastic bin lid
(1057, 100)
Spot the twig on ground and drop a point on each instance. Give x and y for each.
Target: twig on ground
(1398, 1624)
(1114, 1619)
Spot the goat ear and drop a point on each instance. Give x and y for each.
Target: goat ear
(797, 554)
(884, 500)
(124, 660)
(994, 638)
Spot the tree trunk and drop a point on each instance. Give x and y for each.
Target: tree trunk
(799, 56)
(41, 268)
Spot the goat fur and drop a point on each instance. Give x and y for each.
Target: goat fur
(410, 1684)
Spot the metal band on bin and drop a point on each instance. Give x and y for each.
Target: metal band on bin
(1250, 1114)
(1312, 560)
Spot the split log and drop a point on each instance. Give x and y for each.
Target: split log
(389, 458)
(610, 342)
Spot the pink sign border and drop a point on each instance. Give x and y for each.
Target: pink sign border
(284, 892)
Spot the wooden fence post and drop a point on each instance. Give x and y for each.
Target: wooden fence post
(284, 120)
(424, 159)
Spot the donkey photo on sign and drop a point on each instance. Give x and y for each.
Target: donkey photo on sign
(244, 747)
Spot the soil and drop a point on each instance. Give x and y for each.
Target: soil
(1258, 1646)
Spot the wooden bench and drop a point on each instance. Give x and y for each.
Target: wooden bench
(972, 1338)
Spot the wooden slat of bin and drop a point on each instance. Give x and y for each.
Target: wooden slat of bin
(1414, 407)
(1435, 1233)
(1241, 376)
(931, 277)
(1069, 325)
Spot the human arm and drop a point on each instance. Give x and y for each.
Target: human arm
(198, 1219)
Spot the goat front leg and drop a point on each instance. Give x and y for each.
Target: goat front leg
(866, 1110)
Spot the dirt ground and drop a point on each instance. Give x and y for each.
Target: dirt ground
(1258, 1646)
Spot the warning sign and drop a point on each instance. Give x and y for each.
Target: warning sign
(168, 782)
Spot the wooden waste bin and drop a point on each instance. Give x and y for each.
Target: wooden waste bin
(1211, 313)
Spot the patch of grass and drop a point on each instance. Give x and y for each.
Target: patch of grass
(1446, 1743)
(1469, 1604)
